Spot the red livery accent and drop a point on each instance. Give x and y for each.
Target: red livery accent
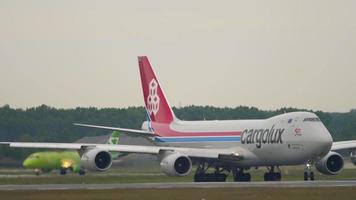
(155, 101)
(164, 130)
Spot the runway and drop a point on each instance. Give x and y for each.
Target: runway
(93, 175)
(282, 184)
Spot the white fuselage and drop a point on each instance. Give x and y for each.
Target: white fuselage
(286, 139)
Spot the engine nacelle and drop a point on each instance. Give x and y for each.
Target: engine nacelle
(176, 164)
(353, 157)
(331, 164)
(96, 160)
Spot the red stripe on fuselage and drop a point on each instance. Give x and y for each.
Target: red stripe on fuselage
(164, 130)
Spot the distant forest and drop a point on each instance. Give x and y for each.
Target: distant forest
(48, 124)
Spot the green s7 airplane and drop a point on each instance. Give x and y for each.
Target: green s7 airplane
(47, 161)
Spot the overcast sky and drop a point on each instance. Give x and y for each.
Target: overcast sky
(267, 54)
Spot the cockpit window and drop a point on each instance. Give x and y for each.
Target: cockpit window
(311, 119)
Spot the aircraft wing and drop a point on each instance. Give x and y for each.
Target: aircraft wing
(349, 145)
(226, 154)
(127, 130)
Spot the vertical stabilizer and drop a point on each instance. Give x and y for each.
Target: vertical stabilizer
(114, 138)
(156, 103)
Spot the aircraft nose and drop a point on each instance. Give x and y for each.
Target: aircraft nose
(26, 163)
(319, 140)
(325, 141)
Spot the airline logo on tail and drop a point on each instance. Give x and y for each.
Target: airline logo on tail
(114, 138)
(153, 98)
(156, 103)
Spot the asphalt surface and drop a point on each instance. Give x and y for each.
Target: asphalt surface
(92, 174)
(282, 184)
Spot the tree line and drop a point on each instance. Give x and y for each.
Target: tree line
(49, 124)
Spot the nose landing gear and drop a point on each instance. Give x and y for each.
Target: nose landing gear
(308, 173)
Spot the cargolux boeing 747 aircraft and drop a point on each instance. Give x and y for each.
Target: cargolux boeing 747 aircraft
(228, 147)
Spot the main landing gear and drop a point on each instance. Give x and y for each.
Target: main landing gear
(308, 173)
(201, 174)
(240, 176)
(37, 172)
(271, 175)
(63, 171)
(220, 174)
(81, 172)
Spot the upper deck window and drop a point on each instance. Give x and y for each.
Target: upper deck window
(311, 119)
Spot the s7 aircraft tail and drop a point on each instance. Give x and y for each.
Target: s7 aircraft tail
(156, 103)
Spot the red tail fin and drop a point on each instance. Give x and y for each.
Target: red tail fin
(156, 103)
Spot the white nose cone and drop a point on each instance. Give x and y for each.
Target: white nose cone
(323, 141)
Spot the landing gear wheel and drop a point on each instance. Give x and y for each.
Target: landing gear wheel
(211, 177)
(312, 176)
(37, 172)
(81, 172)
(63, 171)
(309, 176)
(272, 176)
(200, 177)
(240, 176)
(305, 176)
(308, 173)
(218, 176)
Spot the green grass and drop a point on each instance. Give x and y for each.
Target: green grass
(185, 194)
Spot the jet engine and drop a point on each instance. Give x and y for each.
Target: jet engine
(176, 164)
(96, 160)
(353, 157)
(331, 164)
